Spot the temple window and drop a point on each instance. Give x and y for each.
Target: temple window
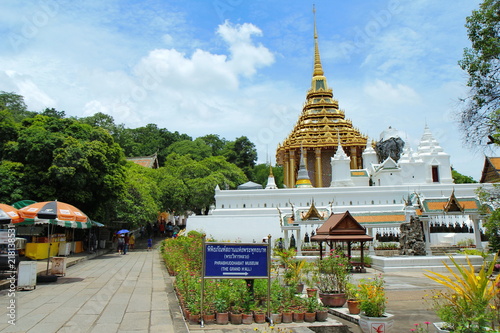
(265, 205)
(222, 206)
(244, 206)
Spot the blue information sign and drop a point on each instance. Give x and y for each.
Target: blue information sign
(236, 261)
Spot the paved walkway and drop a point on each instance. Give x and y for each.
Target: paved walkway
(134, 293)
(110, 293)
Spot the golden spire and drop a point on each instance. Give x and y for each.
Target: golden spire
(318, 69)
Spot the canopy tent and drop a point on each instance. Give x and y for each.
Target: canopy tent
(66, 224)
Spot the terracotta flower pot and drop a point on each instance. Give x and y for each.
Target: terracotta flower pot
(236, 318)
(310, 317)
(311, 292)
(222, 318)
(276, 318)
(247, 318)
(286, 317)
(333, 300)
(353, 306)
(209, 318)
(194, 319)
(321, 315)
(259, 317)
(298, 317)
(300, 288)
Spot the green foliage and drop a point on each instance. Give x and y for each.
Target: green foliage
(66, 160)
(334, 272)
(139, 202)
(199, 179)
(241, 152)
(465, 304)
(481, 117)
(12, 185)
(458, 178)
(15, 105)
(196, 149)
(371, 294)
(492, 227)
(216, 143)
(261, 172)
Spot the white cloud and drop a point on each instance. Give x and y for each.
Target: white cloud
(245, 56)
(389, 94)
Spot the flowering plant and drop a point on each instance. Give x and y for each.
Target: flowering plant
(333, 272)
(420, 328)
(467, 304)
(371, 294)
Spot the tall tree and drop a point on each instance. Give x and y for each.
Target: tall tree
(242, 152)
(15, 104)
(215, 142)
(139, 203)
(66, 160)
(197, 149)
(480, 118)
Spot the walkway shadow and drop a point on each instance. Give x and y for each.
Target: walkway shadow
(63, 279)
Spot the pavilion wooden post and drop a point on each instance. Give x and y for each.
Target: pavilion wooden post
(362, 255)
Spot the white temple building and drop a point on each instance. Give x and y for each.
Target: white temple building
(339, 170)
(420, 183)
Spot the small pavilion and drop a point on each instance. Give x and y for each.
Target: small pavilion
(341, 228)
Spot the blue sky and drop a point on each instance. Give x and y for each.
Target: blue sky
(234, 67)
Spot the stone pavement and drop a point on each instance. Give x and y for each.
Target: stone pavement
(110, 293)
(134, 293)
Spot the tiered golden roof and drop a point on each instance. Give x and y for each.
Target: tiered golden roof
(321, 117)
(321, 123)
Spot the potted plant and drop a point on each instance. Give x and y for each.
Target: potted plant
(311, 307)
(334, 274)
(371, 294)
(466, 304)
(298, 311)
(311, 279)
(294, 274)
(247, 309)
(259, 315)
(353, 302)
(321, 313)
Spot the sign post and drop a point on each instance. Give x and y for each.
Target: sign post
(235, 261)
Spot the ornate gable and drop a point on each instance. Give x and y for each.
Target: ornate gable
(453, 205)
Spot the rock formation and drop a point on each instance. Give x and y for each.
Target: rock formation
(411, 238)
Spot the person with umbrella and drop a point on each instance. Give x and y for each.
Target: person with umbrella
(121, 244)
(127, 241)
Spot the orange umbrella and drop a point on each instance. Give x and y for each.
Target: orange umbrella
(56, 212)
(9, 214)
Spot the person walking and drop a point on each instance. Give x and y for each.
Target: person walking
(121, 244)
(131, 241)
(126, 241)
(150, 242)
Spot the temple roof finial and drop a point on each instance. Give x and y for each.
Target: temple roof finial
(318, 69)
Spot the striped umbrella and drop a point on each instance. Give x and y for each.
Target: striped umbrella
(55, 212)
(9, 214)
